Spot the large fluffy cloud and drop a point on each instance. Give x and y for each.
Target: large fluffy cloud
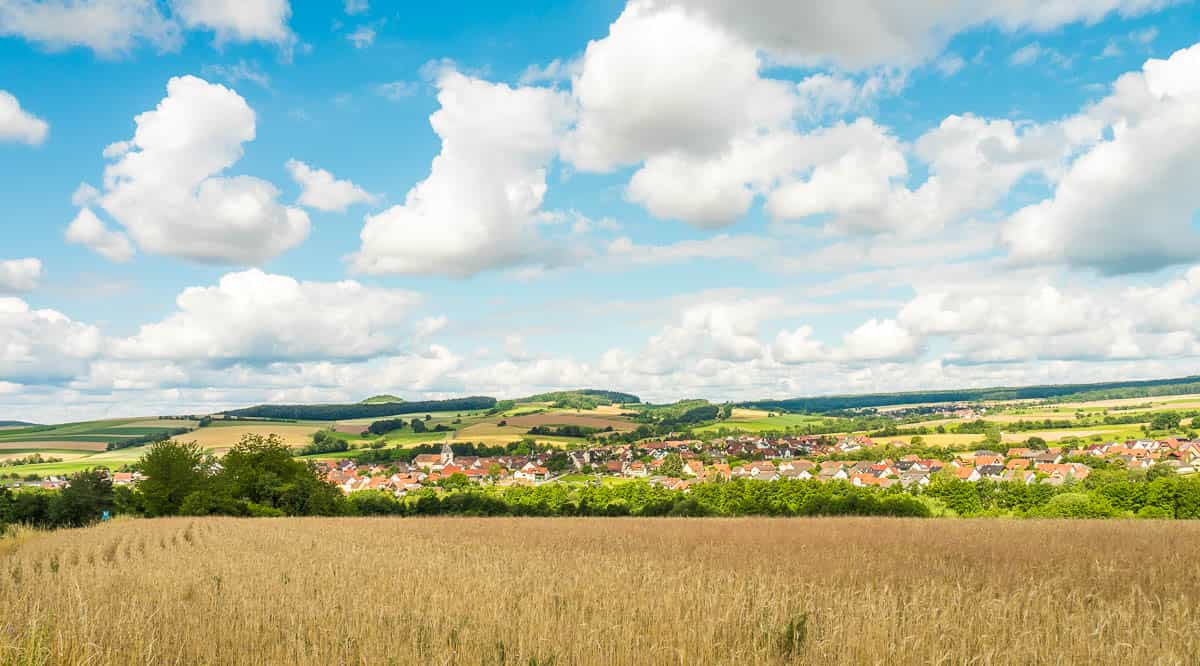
(1129, 203)
(17, 275)
(677, 86)
(663, 82)
(864, 33)
(258, 317)
(972, 163)
(477, 209)
(43, 346)
(17, 124)
(1007, 321)
(165, 187)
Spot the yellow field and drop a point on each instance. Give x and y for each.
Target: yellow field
(611, 410)
(743, 414)
(935, 439)
(602, 591)
(1056, 435)
(224, 437)
(492, 431)
(1161, 401)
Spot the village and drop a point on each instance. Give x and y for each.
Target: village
(679, 464)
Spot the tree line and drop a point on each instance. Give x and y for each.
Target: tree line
(362, 410)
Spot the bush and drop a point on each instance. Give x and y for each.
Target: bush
(1154, 513)
(374, 503)
(1077, 505)
(324, 441)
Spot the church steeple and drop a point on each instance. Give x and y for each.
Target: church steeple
(447, 454)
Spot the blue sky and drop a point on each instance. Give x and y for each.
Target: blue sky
(213, 203)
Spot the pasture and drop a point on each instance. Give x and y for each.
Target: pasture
(753, 420)
(601, 591)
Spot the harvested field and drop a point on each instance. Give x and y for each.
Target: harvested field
(935, 439)
(602, 591)
(611, 410)
(1056, 435)
(474, 432)
(585, 420)
(224, 437)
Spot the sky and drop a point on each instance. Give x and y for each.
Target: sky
(218, 203)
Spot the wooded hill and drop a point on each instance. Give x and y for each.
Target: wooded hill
(360, 411)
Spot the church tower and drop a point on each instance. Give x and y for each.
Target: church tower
(447, 454)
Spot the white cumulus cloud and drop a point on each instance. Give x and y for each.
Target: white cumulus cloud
(1129, 203)
(90, 231)
(258, 317)
(238, 20)
(321, 190)
(43, 346)
(16, 124)
(477, 209)
(165, 187)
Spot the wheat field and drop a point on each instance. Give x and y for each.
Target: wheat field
(601, 591)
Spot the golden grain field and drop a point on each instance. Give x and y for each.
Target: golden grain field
(225, 437)
(602, 591)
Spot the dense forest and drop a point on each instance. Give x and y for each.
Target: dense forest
(359, 411)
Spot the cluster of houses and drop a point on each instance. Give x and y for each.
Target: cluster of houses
(59, 482)
(429, 469)
(765, 459)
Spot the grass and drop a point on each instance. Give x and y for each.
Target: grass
(759, 421)
(602, 591)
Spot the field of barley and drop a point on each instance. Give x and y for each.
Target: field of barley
(602, 591)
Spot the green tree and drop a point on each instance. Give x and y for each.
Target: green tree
(672, 466)
(1077, 505)
(1035, 443)
(374, 503)
(261, 472)
(558, 463)
(1165, 421)
(84, 500)
(418, 425)
(456, 481)
(173, 471)
(1158, 471)
(6, 501)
